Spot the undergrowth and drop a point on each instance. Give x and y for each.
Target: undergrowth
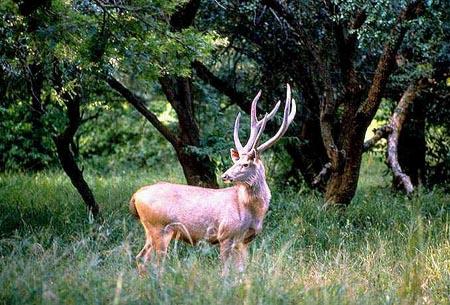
(383, 249)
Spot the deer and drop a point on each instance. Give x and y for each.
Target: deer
(230, 217)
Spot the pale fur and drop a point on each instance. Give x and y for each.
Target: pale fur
(231, 216)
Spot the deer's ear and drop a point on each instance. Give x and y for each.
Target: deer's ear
(252, 155)
(234, 155)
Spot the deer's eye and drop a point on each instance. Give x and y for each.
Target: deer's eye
(245, 165)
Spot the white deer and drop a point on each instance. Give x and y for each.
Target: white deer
(230, 217)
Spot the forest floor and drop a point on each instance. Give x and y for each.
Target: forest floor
(384, 249)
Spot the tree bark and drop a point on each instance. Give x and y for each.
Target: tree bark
(70, 167)
(397, 122)
(198, 169)
(341, 186)
(63, 143)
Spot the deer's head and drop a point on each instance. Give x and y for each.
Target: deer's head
(248, 167)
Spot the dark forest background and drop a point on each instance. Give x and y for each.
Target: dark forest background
(129, 84)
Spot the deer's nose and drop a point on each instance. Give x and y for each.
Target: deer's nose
(226, 177)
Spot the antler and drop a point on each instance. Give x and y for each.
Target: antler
(288, 117)
(257, 126)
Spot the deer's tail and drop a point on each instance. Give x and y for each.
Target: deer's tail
(133, 210)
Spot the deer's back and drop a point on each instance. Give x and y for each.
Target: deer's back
(166, 203)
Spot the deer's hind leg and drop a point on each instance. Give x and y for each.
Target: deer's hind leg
(155, 248)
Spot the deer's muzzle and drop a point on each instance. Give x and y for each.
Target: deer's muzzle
(226, 178)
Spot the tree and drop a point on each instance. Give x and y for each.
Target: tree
(54, 85)
(329, 51)
(177, 85)
(345, 154)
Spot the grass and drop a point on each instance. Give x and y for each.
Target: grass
(384, 249)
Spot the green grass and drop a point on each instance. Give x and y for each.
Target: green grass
(384, 249)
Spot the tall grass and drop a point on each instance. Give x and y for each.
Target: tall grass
(384, 249)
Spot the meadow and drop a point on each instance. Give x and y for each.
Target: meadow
(383, 249)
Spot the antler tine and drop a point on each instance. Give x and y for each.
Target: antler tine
(261, 129)
(274, 111)
(237, 142)
(258, 128)
(254, 123)
(288, 117)
(253, 118)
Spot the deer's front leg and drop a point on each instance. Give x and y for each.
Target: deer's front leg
(233, 253)
(240, 256)
(226, 248)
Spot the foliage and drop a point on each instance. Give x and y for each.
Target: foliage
(119, 137)
(17, 150)
(244, 44)
(384, 249)
(95, 39)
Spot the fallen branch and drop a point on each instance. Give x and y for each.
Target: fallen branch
(379, 133)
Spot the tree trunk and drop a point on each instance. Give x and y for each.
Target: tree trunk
(397, 122)
(198, 170)
(341, 186)
(69, 165)
(63, 143)
(345, 158)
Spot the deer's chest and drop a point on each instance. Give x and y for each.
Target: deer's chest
(243, 224)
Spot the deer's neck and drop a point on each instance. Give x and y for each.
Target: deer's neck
(255, 195)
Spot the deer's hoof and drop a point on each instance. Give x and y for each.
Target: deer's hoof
(142, 270)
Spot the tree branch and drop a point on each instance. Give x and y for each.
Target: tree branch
(139, 105)
(208, 77)
(321, 175)
(379, 133)
(387, 61)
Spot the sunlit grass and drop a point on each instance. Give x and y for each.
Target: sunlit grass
(384, 249)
